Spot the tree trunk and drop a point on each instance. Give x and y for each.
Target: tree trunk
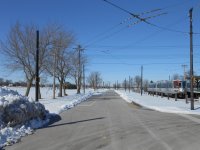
(78, 89)
(64, 88)
(29, 84)
(60, 88)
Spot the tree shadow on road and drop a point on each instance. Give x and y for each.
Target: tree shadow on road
(197, 108)
(53, 118)
(74, 122)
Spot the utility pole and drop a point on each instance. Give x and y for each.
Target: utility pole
(37, 68)
(191, 61)
(84, 78)
(79, 49)
(141, 79)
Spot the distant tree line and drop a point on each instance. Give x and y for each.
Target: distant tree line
(4, 82)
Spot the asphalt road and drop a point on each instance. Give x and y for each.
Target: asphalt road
(109, 123)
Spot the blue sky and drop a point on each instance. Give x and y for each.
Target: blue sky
(114, 49)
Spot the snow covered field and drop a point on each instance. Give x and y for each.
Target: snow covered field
(60, 103)
(160, 104)
(10, 135)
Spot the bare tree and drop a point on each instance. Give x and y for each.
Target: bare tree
(94, 79)
(20, 49)
(60, 58)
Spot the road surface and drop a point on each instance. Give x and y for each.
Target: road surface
(107, 122)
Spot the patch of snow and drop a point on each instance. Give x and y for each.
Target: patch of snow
(160, 104)
(18, 116)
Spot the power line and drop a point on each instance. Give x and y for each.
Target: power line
(102, 33)
(106, 36)
(143, 13)
(145, 21)
(133, 16)
(110, 35)
(114, 27)
(146, 64)
(122, 47)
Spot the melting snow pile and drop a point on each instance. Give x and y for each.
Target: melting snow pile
(18, 116)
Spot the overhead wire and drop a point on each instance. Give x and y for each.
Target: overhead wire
(102, 33)
(123, 22)
(138, 64)
(114, 27)
(105, 37)
(162, 28)
(145, 21)
(140, 14)
(123, 47)
(149, 17)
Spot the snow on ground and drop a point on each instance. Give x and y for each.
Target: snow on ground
(10, 135)
(60, 103)
(160, 104)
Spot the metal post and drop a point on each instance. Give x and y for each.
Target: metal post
(79, 67)
(37, 68)
(191, 61)
(141, 79)
(84, 78)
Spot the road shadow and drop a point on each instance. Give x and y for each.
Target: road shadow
(53, 118)
(74, 122)
(197, 108)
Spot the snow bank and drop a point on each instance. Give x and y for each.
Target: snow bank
(160, 104)
(18, 116)
(78, 98)
(61, 104)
